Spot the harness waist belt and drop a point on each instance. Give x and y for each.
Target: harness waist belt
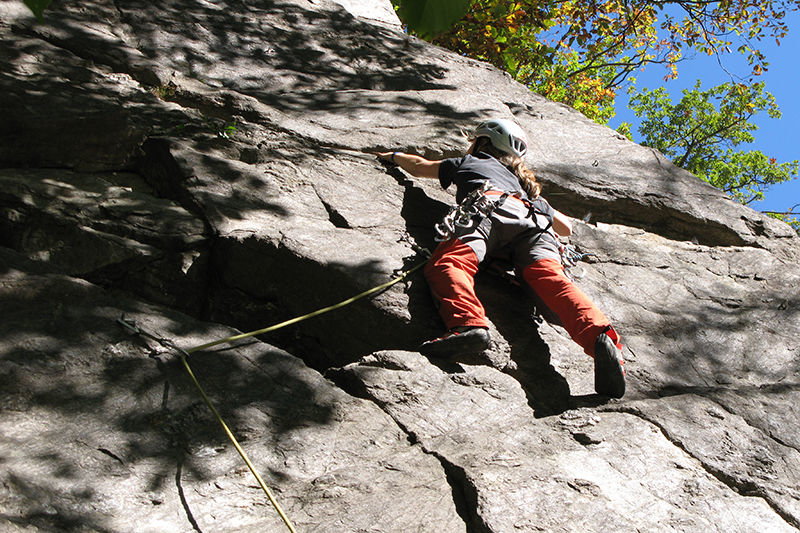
(502, 194)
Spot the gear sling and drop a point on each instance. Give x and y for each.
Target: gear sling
(493, 223)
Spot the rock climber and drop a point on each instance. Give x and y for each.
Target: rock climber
(500, 213)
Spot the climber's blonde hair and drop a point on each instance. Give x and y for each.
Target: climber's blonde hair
(526, 177)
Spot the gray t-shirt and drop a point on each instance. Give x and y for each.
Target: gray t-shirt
(470, 172)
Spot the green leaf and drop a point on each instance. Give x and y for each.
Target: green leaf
(428, 18)
(37, 7)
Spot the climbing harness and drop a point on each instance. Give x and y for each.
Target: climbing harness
(482, 202)
(462, 214)
(183, 354)
(477, 203)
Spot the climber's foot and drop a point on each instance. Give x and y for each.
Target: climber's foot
(457, 341)
(609, 372)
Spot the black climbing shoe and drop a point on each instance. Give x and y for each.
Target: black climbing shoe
(609, 373)
(458, 341)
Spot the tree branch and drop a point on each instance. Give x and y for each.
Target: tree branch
(790, 212)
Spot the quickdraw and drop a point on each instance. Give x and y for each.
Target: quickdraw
(570, 256)
(461, 215)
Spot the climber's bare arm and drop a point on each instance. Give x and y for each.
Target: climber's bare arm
(417, 166)
(420, 167)
(561, 224)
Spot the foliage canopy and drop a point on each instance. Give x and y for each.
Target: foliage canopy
(702, 130)
(581, 51)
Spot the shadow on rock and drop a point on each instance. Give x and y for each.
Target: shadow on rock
(84, 397)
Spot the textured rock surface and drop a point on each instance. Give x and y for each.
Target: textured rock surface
(98, 436)
(618, 469)
(208, 163)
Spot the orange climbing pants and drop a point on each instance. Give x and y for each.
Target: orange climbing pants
(451, 276)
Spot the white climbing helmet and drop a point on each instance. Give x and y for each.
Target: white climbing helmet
(504, 135)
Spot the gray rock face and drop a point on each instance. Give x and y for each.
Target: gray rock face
(206, 168)
(97, 436)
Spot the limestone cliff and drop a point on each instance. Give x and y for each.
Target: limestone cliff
(205, 168)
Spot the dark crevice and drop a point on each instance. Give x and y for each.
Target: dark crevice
(464, 493)
(184, 503)
(111, 454)
(162, 172)
(334, 216)
(782, 442)
(465, 496)
(758, 227)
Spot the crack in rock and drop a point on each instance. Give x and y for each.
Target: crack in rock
(464, 494)
(335, 217)
(736, 484)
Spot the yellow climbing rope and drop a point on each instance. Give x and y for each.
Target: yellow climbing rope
(184, 354)
(398, 278)
(236, 445)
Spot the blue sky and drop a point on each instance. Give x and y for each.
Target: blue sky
(778, 138)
